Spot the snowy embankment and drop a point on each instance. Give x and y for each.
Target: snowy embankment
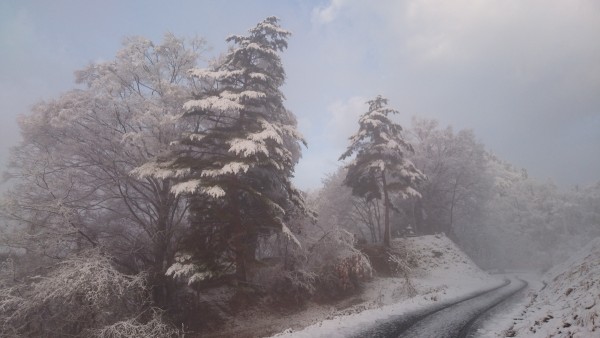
(444, 275)
(495, 322)
(569, 303)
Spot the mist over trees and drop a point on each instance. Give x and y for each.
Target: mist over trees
(159, 195)
(498, 214)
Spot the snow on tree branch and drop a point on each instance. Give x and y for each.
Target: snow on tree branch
(186, 187)
(219, 104)
(247, 147)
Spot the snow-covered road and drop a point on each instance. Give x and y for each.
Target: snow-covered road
(452, 321)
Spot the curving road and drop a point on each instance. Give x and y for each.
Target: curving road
(450, 321)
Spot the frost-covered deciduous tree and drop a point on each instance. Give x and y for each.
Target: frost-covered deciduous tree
(381, 166)
(581, 211)
(337, 207)
(546, 221)
(528, 223)
(73, 185)
(237, 158)
(458, 183)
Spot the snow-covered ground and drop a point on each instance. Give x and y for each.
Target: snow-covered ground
(567, 303)
(444, 274)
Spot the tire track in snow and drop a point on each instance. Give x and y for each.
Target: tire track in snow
(455, 321)
(397, 325)
(470, 330)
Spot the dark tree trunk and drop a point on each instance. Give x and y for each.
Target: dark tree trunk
(161, 239)
(386, 208)
(239, 239)
(450, 228)
(377, 218)
(418, 216)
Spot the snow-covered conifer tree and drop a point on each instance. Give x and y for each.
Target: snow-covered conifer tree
(381, 166)
(238, 159)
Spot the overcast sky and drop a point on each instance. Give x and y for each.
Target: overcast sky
(523, 74)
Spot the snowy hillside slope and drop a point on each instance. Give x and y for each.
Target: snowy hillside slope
(443, 273)
(440, 259)
(569, 304)
(441, 267)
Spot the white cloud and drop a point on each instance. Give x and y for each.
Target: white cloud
(326, 14)
(518, 72)
(343, 119)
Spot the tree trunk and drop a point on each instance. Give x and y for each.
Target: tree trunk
(373, 232)
(386, 207)
(161, 248)
(418, 216)
(377, 218)
(239, 237)
(450, 230)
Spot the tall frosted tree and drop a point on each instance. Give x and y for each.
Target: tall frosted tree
(237, 160)
(458, 184)
(72, 184)
(381, 167)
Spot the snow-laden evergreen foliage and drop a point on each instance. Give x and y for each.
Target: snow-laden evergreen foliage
(381, 165)
(239, 153)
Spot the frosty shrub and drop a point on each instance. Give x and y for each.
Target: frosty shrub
(82, 296)
(284, 275)
(340, 267)
(396, 261)
(155, 327)
(286, 287)
(326, 266)
(401, 263)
